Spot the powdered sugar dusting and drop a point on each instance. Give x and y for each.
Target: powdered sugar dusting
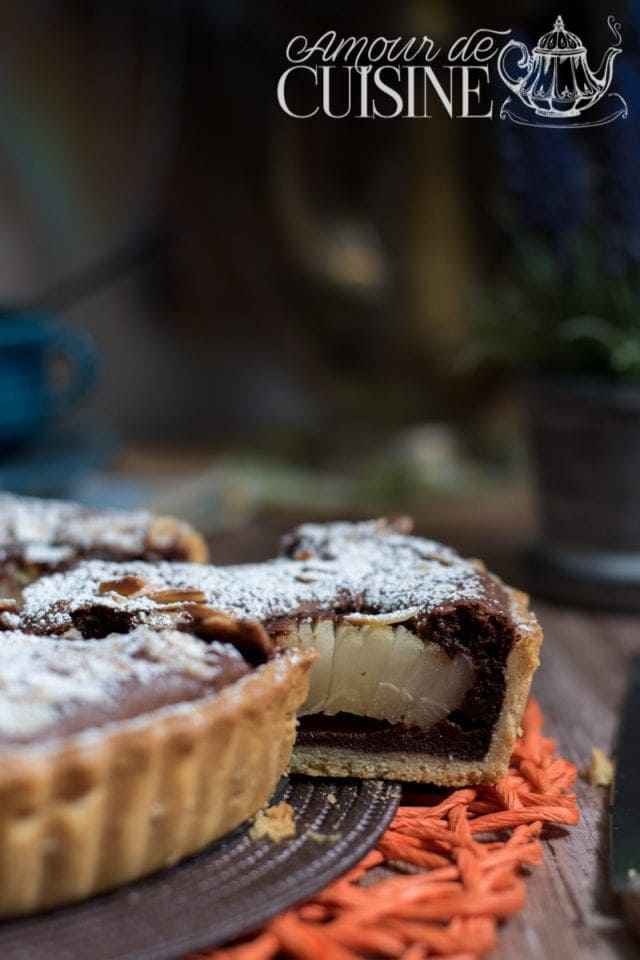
(350, 568)
(330, 541)
(50, 531)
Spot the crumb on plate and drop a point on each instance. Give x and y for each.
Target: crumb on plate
(276, 823)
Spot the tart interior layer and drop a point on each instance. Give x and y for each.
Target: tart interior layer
(409, 635)
(58, 687)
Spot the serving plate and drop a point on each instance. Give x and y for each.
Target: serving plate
(229, 889)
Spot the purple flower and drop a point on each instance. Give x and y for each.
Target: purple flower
(619, 176)
(546, 181)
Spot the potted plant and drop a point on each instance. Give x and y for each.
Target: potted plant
(566, 315)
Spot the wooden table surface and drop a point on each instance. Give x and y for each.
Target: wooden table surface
(570, 914)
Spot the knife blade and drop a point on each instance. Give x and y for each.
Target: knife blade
(625, 806)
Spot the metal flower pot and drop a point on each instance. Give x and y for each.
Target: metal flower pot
(585, 441)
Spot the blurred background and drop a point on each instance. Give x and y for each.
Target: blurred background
(321, 317)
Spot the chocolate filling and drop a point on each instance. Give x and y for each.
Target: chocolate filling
(97, 621)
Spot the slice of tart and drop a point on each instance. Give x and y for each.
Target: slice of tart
(38, 537)
(424, 659)
(123, 755)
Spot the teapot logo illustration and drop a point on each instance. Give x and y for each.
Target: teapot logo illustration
(557, 87)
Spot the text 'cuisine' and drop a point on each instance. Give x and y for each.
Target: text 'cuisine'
(380, 78)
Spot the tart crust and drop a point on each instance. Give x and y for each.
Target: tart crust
(522, 661)
(91, 812)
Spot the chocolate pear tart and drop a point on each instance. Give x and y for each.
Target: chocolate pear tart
(123, 755)
(424, 659)
(42, 536)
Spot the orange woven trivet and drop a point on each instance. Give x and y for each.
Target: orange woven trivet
(465, 855)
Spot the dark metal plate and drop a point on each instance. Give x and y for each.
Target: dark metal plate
(229, 889)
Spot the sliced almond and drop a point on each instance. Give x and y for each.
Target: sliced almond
(201, 611)
(247, 636)
(396, 522)
(126, 585)
(218, 621)
(382, 619)
(178, 596)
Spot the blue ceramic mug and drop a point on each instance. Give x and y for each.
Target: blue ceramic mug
(31, 395)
